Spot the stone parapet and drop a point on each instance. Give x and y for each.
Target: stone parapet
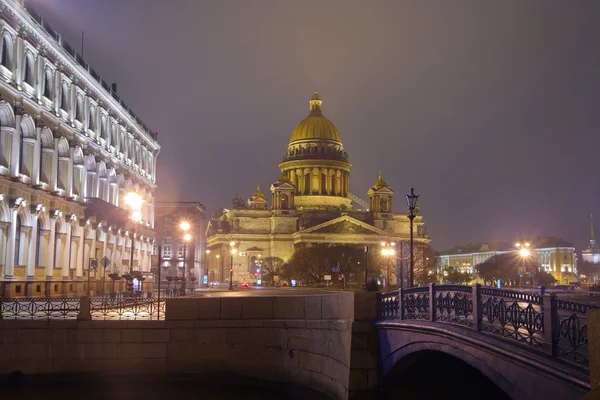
(303, 340)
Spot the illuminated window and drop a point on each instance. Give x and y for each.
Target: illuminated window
(167, 250)
(180, 250)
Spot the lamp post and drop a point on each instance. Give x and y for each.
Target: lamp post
(411, 201)
(233, 252)
(524, 253)
(134, 201)
(366, 266)
(185, 227)
(207, 270)
(388, 251)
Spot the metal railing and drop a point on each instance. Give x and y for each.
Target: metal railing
(535, 319)
(82, 308)
(39, 308)
(126, 308)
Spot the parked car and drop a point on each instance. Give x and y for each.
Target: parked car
(244, 285)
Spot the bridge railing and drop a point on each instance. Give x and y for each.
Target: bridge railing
(537, 320)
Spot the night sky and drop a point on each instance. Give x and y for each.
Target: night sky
(489, 108)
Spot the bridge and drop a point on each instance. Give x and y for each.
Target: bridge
(531, 345)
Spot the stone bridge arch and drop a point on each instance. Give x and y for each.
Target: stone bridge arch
(519, 373)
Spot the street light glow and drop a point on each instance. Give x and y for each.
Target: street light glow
(187, 237)
(184, 225)
(136, 216)
(133, 200)
(207, 251)
(524, 252)
(233, 252)
(232, 244)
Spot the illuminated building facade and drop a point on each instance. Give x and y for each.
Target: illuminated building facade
(70, 152)
(173, 221)
(310, 205)
(553, 255)
(592, 252)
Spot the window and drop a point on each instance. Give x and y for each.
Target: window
(28, 72)
(92, 121)
(166, 249)
(18, 289)
(154, 248)
(55, 288)
(5, 57)
(17, 239)
(38, 288)
(48, 84)
(78, 109)
(181, 251)
(64, 98)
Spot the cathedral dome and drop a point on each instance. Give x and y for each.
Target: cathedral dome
(315, 126)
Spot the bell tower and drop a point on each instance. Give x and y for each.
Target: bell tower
(283, 193)
(257, 202)
(380, 197)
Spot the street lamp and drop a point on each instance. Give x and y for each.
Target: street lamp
(134, 201)
(185, 226)
(207, 258)
(524, 253)
(388, 251)
(233, 252)
(411, 201)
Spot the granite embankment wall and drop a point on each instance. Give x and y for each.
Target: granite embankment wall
(305, 340)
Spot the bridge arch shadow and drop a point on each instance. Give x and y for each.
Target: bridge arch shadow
(433, 374)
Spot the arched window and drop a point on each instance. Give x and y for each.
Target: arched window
(28, 72)
(113, 136)
(5, 57)
(284, 202)
(79, 109)
(64, 97)
(17, 239)
(383, 205)
(92, 121)
(38, 243)
(48, 84)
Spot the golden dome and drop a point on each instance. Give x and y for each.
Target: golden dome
(315, 126)
(258, 193)
(380, 182)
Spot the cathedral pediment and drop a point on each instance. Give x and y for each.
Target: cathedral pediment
(345, 224)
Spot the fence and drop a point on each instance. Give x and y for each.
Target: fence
(534, 319)
(96, 308)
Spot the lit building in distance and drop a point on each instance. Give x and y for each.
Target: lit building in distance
(554, 255)
(71, 151)
(310, 205)
(173, 221)
(592, 252)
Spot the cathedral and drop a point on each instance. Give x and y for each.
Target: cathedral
(311, 205)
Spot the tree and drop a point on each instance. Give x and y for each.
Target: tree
(272, 266)
(510, 268)
(544, 279)
(309, 265)
(456, 276)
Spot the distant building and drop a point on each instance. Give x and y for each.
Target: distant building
(592, 252)
(554, 255)
(177, 254)
(70, 152)
(311, 205)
